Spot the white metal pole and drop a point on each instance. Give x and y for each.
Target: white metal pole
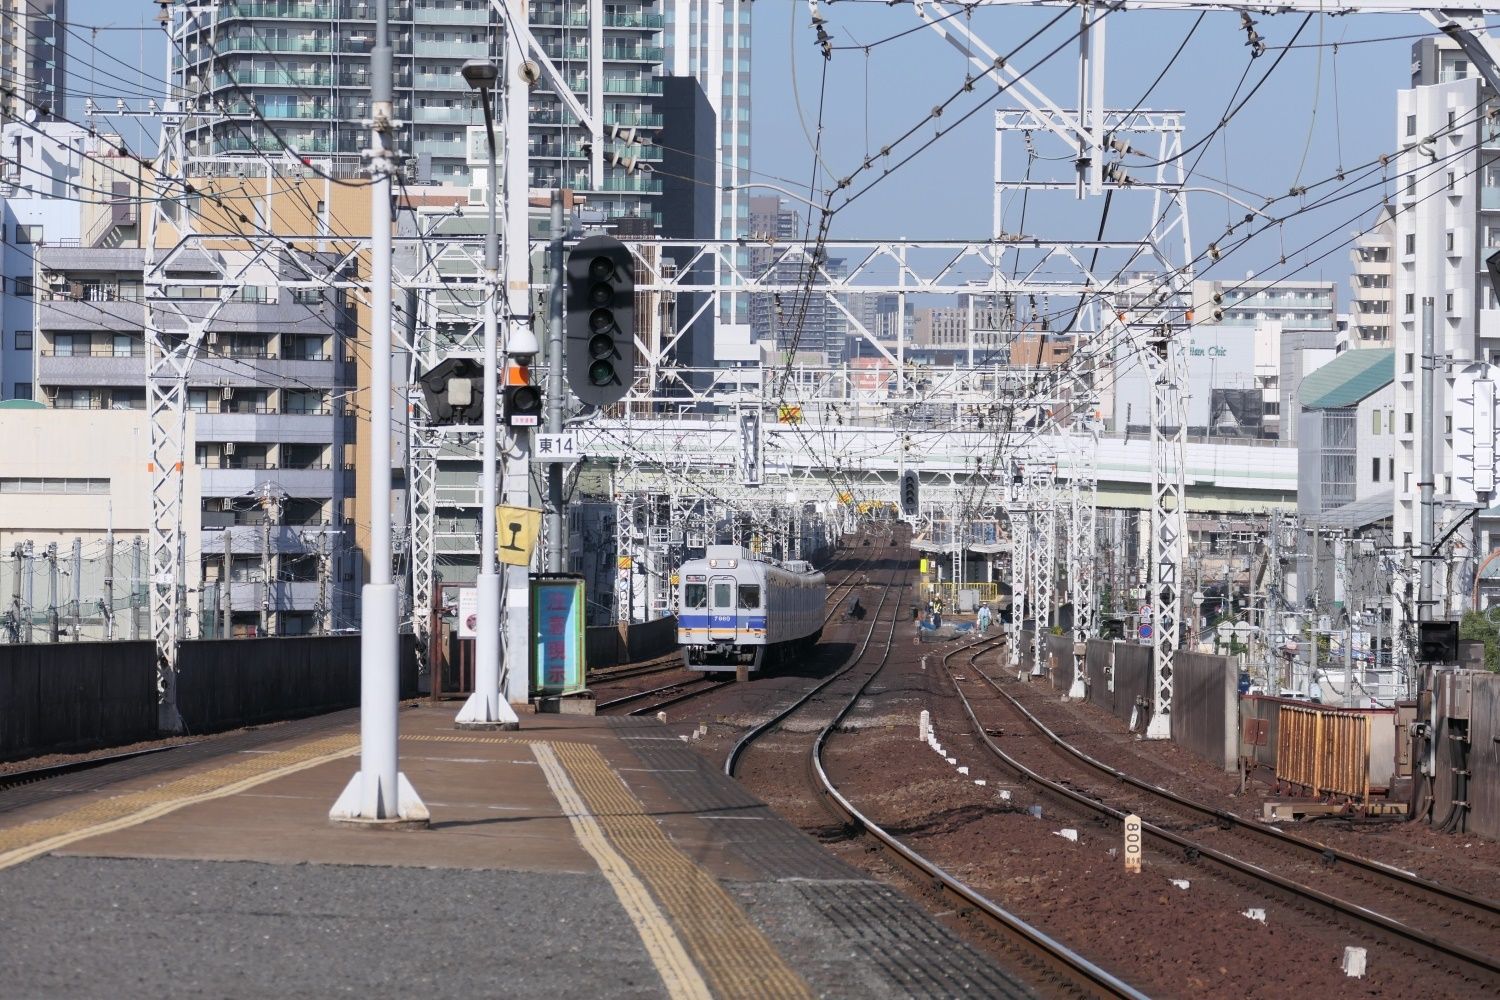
(379, 792)
(517, 600)
(486, 709)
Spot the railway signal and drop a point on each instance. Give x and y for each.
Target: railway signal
(911, 482)
(601, 320)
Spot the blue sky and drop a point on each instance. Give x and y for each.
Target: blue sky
(1322, 108)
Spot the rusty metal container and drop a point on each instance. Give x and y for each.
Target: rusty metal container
(1325, 752)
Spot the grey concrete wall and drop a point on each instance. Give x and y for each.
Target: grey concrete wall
(75, 696)
(1204, 710)
(609, 645)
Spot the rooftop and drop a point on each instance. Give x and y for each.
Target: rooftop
(1349, 378)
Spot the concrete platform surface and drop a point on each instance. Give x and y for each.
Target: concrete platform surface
(578, 857)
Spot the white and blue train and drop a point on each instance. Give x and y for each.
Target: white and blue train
(736, 608)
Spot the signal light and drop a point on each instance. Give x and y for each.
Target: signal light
(911, 483)
(1437, 642)
(601, 320)
(523, 405)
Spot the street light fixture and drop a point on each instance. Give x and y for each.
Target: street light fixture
(487, 708)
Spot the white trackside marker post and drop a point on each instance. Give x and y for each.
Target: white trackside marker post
(1133, 843)
(924, 726)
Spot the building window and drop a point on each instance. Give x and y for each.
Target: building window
(36, 484)
(1375, 470)
(22, 390)
(1390, 470)
(1448, 425)
(1411, 185)
(1452, 182)
(1411, 124)
(1374, 421)
(1411, 359)
(28, 234)
(23, 287)
(23, 340)
(1448, 301)
(1411, 306)
(1450, 242)
(1408, 422)
(1411, 243)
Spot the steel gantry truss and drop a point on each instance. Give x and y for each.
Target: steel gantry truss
(1041, 487)
(1082, 539)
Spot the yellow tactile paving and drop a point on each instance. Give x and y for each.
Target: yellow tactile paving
(734, 955)
(29, 840)
(678, 973)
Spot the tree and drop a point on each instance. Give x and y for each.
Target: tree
(1476, 626)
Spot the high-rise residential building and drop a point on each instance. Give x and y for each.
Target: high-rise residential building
(292, 78)
(710, 41)
(33, 58)
(43, 164)
(1447, 220)
(807, 325)
(1373, 257)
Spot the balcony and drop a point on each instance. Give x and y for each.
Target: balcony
(634, 53)
(451, 116)
(280, 11)
(1489, 198)
(454, 15)
(272, 78)
(269, 43)
(439, 81)
(625, 85)
(634, 119)
(451, 49)
(234, 426)
(311, 483)
(644, 22)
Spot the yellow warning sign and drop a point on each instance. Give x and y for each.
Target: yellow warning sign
(516, 529)
(923, 567)
(846, 497)
(624, 562)
(788, 414)
(675, 579)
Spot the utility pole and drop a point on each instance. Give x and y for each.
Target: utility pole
(77, 611)
(19, 552)
(29, 591)
(52, 620)
(1425, 483)
(556, 390)
(226, 587)
(379, 793)
(265, 570)
(135, 587)
(109, 578)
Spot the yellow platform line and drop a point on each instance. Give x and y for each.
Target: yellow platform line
(37, 837)
(733, 953)
(678, 973)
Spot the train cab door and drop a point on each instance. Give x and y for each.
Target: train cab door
(721, 608)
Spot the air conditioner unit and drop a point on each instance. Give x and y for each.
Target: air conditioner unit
(227, 392)
(213, 340)
(229, 448)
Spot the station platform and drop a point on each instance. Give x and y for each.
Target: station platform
(578, 857)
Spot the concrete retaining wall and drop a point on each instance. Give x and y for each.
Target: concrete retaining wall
(75, 696)
(67, 697)
(611, 645)
(1204, 710)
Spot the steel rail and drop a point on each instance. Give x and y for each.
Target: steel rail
(15, 779)
(1335, 905)
(1276, 835)
(1056, 954)
(744, 742)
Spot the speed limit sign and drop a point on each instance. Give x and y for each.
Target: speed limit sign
(1132, 843)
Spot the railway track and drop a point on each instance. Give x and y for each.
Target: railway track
(15, 779)
(1060, 964)
(1422, 917)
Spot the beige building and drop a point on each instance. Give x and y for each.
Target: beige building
(78, 480)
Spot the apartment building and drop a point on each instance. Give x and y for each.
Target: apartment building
(292, 78)
(1447, 220)
(1370, 286)
(33, 58)
(272, 433)
(808, 325)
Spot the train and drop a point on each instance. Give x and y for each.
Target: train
(736, 608)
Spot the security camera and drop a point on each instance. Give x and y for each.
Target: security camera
(522, 346)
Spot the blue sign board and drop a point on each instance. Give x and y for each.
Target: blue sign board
(557, 654)
(1144, 631)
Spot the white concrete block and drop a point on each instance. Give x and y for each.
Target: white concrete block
(1255, 913)
(1180, 883)
(1068, 835)
(979, 781)
(1354, 961)
(661, 716)
(963, 770)
(952, 760)
(1004, 794)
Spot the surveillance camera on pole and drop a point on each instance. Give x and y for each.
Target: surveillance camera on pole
(601, 320)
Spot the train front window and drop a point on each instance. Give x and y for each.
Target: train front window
(723, 595)
(749, 596)
(696, 595)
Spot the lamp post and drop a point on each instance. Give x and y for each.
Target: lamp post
(1197, 618)
(486, 707)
